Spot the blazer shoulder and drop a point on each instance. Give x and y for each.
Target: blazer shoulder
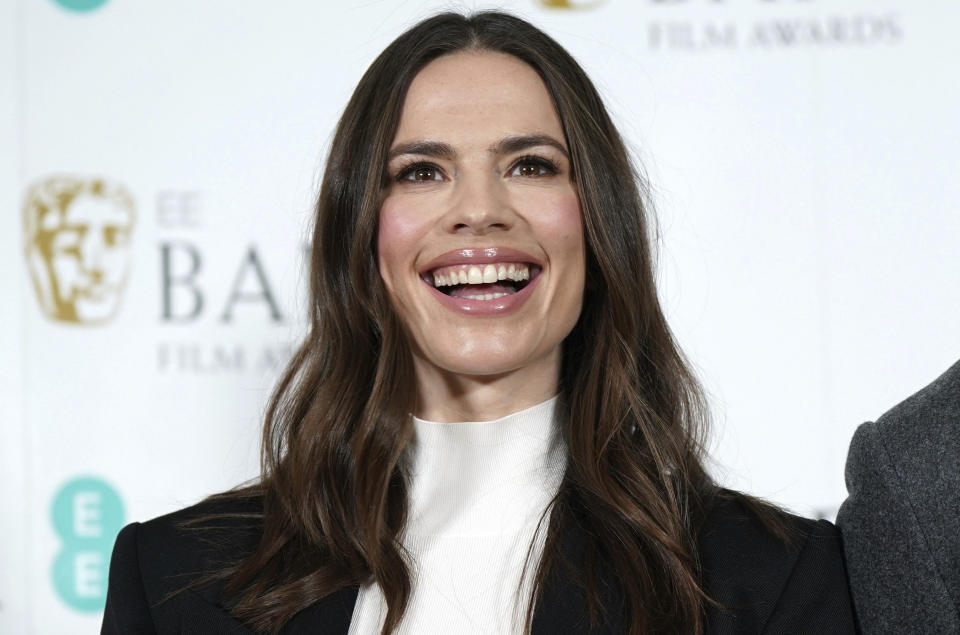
(769, 570)
(911, 452)
(221, 515)
(934, 410)
(180, 547)
(159, 568)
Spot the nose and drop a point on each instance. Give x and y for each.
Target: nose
(480, 205)
(91, 251)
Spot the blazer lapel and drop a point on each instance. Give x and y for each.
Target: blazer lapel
(563, 607)
(329, 616)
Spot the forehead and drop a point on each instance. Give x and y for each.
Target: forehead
(93, 210)
(474, 96)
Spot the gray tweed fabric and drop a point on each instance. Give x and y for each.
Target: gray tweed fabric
(901, 521)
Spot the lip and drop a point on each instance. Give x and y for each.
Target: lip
(481, 256)
(485, 308)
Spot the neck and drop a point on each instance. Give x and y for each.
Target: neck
(444, 396)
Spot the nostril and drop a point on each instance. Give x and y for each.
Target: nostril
(480, 229)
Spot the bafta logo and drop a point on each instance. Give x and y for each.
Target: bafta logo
(570, 4)
(77, 234)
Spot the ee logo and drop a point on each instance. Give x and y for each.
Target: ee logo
(81, 6)
(87, 515)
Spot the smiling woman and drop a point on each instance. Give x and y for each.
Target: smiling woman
(489, 427)
(479, 186)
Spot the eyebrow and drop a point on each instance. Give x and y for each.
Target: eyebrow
(506, 145)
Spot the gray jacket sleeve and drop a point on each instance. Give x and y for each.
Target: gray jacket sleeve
(901, 521)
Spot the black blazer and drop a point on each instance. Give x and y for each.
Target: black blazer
(764, 585)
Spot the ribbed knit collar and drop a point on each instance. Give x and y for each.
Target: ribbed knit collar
(486, 477)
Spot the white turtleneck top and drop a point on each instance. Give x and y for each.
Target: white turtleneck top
(477, 493)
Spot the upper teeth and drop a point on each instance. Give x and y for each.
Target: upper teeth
(483, 274)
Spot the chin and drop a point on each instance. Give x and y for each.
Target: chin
(486, 359)
(484, 368)
(96, 311)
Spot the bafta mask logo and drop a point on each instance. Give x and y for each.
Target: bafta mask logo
(77, 234)
(571, 4)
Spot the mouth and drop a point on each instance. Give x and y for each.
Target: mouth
(487, 281)
(483, 282)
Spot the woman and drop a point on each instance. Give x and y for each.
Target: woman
(480, 255)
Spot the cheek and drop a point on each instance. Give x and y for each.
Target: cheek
(115, 263)
(561, 230)
(65, 267)
(562, 225)
(399, 233)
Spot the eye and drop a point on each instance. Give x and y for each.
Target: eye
(531, 166)
(420, 172)
(114, 235)
(69, 237)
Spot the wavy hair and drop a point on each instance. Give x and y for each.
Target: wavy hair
(334, 483)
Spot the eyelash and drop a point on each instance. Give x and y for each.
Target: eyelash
(406, 170)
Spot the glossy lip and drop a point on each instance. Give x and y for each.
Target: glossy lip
(481, 256)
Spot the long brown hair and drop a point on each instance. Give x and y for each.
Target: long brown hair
(333, 479)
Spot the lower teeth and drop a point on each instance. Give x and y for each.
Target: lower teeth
(485, 296)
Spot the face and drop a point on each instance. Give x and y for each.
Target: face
(89, 257)
(84, 250)
(480, 241)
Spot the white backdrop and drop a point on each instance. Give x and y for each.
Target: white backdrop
(803, 155)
